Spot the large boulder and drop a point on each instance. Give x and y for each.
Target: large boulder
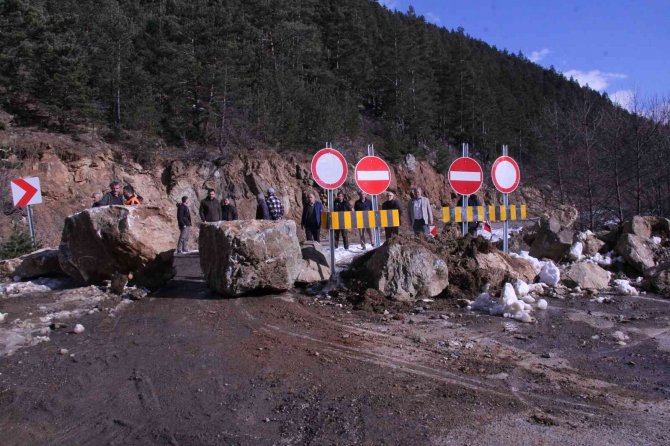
(646, 226)
(496, 268)
(406, 270)
(591, 244)
(98, 243)
(657, 279)
(316, 264)
(250, 256)
(562, 217)
(586, 276)
(43, 262)
(636, 251)
(552, 241)
(638, 225)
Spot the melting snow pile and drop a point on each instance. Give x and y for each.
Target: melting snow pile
(537, 264)
(576, 251)
(41, 285)
(550, 274)
(516, 302)
(624, 287)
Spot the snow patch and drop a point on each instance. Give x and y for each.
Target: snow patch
(550, 274)
(576, 251)
(624, 287)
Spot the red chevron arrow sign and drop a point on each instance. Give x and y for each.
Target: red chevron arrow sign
(26, 191)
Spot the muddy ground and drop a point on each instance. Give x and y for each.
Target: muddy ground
(184, 367)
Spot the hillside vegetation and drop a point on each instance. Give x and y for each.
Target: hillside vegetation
(297, 73)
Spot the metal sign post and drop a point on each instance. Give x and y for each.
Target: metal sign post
(464, 206)
(31, 226)
(506, 204)
(375, 204)
(331, 232)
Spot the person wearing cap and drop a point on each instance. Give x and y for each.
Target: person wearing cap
(114, 196)
(392, 203)
(275, 206)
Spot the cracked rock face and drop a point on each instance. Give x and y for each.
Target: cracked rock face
(250, 256)
(98, 243)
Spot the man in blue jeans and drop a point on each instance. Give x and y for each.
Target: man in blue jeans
(420, 213)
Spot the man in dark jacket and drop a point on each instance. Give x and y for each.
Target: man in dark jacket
(210, 208)
(262, 212)
(473, 200)
(311, 218)
(228, 210)
(341, 205)
(390, 204)
(364, 204)
(184, 223)
(113, 197)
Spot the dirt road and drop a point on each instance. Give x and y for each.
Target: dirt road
(184, 367)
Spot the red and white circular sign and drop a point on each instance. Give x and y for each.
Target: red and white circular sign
(373, 175)
(505, 174)
(329, 168)
(466, 176)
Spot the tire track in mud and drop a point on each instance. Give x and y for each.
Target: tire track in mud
(422, 370)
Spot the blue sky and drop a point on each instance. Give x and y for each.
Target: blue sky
(621, 47)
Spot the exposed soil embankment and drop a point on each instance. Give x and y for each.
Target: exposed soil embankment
(72, 167)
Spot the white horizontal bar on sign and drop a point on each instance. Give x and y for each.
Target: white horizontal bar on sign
(372, 175)
(465, 176)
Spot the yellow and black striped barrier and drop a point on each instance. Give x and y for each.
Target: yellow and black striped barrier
(484, 213)
(360, 219)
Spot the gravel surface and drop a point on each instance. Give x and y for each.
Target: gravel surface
(185, 367)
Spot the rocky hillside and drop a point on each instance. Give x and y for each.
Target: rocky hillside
(72, 168)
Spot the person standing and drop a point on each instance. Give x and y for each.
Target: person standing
(228, 210)
(262, 211)
(131, 198)
(341, 205)
(392, 203)
(184, 223)
(210, 208)
(96, 197)
(420, 213)
(275, 206)
(113, 197)
(311, 218)
(473, 200)
(364, 204)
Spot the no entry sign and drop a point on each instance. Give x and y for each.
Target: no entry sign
(26, 191)
(373, 175)
(465, 176)
(329, 168)
(505, 174)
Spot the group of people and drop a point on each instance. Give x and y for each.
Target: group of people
(270, 207)
(117, 196)
(211, 209)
